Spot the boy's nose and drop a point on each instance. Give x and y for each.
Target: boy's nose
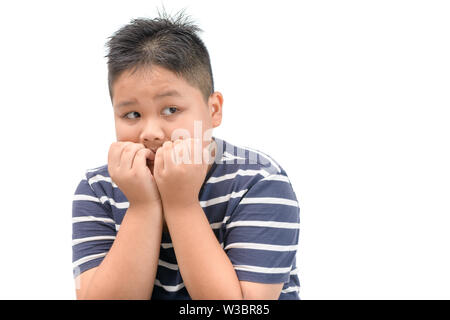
(153, 134)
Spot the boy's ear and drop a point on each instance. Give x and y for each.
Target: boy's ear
(215, 108)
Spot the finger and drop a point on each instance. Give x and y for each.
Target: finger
(184, 152)
(114, 153)
(128, 154)
(196, 151)
(168, 155)
(140, 160)
(178, 141)
(179, 152)
(158, 165)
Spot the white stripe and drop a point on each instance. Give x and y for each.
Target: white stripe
(88, 258)
(226, 219)
(168, 265)
(266, 224)
(94, 169)
(260, 246)
(169, 288)
(222, 198)
(84, 197)
(294, 272)
(291, 289)
(240, 172)
(261, 269)
(264, 155)
(286, 202)
(91, 218)
(216, 225)
(118, 205)
(96, 238)
(229, 156)
(99, 177)
(276, 177)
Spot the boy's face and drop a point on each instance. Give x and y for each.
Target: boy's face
(153, 105)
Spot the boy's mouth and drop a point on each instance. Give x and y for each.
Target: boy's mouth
(151, 160)
(150, 165)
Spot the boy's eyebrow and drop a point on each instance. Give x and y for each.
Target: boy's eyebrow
(169, 93)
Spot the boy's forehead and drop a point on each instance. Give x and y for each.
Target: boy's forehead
(155, 83)
(150, 83)
(157, 96)
(155, 75)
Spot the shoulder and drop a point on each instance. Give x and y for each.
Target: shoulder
(98, 172)
(244, 172)
(94, 175)
(96, 183)
(247, 161)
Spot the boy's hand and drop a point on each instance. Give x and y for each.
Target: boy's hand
(127, 166)
(180, 174)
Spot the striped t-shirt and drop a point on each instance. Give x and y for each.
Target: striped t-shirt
(250, 205)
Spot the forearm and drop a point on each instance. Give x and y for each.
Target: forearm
(128, 271)
(206, 269)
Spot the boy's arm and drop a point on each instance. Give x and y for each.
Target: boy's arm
(128, 271)
(205, 267)
(130, 261)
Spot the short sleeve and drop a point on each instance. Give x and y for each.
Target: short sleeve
(93, 229)
(262, 233)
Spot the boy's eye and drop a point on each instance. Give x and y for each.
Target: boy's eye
(126, 114)
(172, 110)
(168, 111)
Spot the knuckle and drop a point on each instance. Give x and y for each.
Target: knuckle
(127, 143)
(120, 144)
(128, 148)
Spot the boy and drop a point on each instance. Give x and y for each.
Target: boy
(171, 217)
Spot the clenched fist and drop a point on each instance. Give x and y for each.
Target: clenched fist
(127, 166)
(180, 170)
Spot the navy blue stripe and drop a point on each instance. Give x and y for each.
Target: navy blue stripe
(273, 236)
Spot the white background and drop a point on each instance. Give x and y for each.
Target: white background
(350, 97)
